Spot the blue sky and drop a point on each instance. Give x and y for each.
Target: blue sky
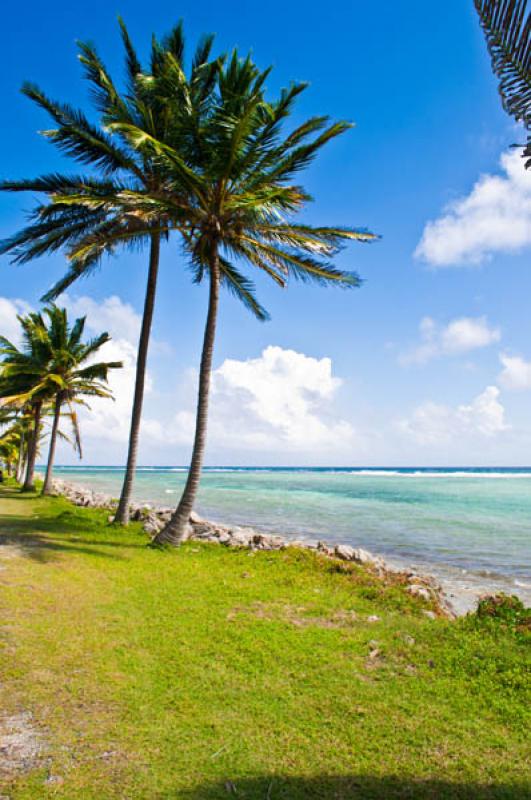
(349, 377)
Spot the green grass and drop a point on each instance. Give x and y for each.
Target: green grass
(208, 673)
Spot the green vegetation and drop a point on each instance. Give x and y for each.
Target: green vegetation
(49, 373)
(205, 673)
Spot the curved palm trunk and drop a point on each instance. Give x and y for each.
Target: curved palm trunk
(177, 528)
(122, 513)
(47, 488)
(32, 449)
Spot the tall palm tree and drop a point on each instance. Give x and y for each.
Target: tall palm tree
(49, 372)
(507, 28)
(90, 216)
(240, 202)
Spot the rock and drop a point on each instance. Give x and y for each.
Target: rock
(152, 524)
(419, 591)
(194, 518)
(345, 552)
(373, 618)
(241, 537)
(430, 614)
(223, 537)
(362, 556)
(277, 542)
(151, 529)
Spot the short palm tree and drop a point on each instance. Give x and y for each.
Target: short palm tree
(49, 371)
(73, 374)
(21, 387)
(9, 440)
(89, 216)
(15, 425)
(240, 201)
(507, 28)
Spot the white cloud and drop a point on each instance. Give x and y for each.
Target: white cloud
(494, 218)
(436, 424)
(107, 420)
(9, 324)
(516, 373)
(111, 314)
(279, 401)
(459, 336)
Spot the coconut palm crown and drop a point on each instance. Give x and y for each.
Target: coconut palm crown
(507, 28)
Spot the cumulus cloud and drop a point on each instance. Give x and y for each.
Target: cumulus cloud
(109, 420)
(106, 420)
(494, 218)
(279, 401)
(436, 424)
(110, 314)
(9, 324)
(459, 336)
(516, 372)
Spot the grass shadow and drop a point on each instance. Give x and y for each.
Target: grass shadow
(352, 787)
(40, 536)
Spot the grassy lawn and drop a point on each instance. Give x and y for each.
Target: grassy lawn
(209, 673)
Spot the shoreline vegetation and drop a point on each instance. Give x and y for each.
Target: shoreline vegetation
(205, 672)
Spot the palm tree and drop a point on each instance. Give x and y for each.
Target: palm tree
(48, 370)
(507, 28)
(20, 386)
(91, 216)
(9, 440)
(240, 201)
(15, 425)
(70, 376)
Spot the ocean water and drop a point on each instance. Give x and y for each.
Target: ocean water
(471, 528)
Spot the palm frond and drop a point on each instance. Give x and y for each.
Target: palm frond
(78, 138)
(242, 288)
(507, 28)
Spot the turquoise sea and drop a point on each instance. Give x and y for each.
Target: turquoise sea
(469, 527)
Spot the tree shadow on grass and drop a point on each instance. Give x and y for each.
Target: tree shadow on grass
(352, 787)
(41, 538)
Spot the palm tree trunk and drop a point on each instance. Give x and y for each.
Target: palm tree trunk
(20, 463)
(47, 488)
(122, 513)
(177, 528)
(33, 445)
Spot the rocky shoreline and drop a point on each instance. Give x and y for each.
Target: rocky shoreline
(153, 519)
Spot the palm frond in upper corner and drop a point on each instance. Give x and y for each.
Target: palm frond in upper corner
(507, 28)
